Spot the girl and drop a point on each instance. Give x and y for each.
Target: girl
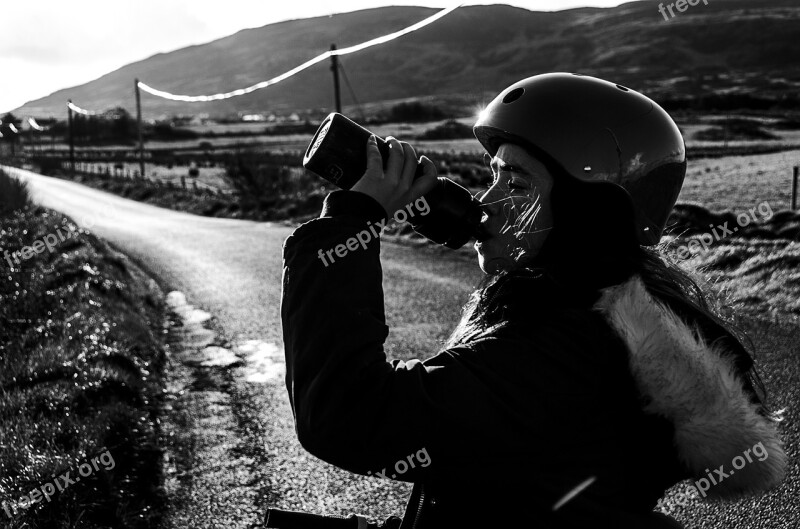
(587, 374)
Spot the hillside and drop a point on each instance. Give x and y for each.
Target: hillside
(729, 46)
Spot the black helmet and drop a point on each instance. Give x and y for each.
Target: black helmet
(598, 132)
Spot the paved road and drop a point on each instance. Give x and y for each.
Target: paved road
(232, 270)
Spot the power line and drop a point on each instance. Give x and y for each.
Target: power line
(352, 93)
(305, 65)
(34, 125)
(80, 110)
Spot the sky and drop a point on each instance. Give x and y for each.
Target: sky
(47, 45)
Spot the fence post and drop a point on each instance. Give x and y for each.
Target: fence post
(71, 139)
(139, 126)
(335, 69)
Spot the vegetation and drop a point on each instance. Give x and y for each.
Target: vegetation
(760, 278)
(449, 130)
(304, 127)
(10, 126)
(80, 370)
(14, 194)
(167, 132)
(728, 102)
(270, 191)
(114, 126)
(735, 129)
(412, 112)
(692, 219)
(199, 201)
(261, 186)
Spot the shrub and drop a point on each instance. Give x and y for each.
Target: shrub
(414, 111)
(735, 129)
(14, 194)
(47, 166)
(449, 130)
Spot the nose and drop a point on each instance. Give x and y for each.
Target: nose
(490, 200)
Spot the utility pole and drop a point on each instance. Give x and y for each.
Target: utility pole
(71, 139)
(335, 68)
(139, 127)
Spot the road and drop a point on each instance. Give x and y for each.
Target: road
(232, 270)
(246, 457)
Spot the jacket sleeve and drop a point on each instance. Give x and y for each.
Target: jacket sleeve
(352, 407)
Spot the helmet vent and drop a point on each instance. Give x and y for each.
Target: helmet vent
(623, 88)
(513, 95)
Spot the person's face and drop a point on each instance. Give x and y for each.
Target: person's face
(518, 214)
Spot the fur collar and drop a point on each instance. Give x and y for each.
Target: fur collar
(695, 387)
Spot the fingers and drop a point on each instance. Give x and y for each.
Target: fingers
(427, 181)
(395, 186)
(394, 167)
(402, 163)
(409, 166)
(374, 159)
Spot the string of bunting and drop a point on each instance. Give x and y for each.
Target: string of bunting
(305, 65)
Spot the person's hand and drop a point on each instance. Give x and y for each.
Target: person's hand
(395, 187)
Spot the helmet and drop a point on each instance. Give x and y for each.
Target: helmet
(598, 132)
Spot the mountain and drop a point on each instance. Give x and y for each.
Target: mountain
(727, 46)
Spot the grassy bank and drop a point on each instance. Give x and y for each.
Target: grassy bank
(81, 361)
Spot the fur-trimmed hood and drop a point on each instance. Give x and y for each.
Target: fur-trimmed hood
(719, 435)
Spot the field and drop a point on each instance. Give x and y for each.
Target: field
(741, 182)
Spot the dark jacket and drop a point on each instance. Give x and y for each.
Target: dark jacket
(511, 423)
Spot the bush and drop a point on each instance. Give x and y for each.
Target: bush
(165, 131)
(414, 112)
(735, 129)
(14, 194)
(305, 127)
(265, 184)
(47, 166)
(449, 130)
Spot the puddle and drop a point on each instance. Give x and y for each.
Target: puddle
(191, 333)
(216, 357)
(264, 361)
(260, 362)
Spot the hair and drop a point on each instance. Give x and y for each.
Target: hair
(593, 245)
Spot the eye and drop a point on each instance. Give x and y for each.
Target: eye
(503, 166)
(517, 184)
(514, 180)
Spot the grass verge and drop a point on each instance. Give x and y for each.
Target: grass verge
(81, 363)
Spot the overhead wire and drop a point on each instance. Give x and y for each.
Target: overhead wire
(352, 93)
(294, 71)
(34, 125)
(79, 110)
